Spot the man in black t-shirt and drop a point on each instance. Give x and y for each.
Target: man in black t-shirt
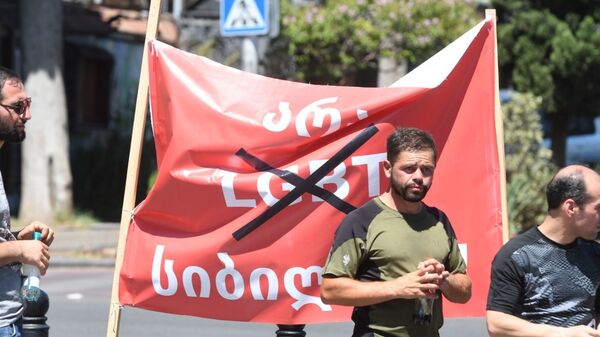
(544, 282)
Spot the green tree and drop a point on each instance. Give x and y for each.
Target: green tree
(340, 40)
(528, 164)
(552, 49)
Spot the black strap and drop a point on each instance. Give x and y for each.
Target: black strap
(303, 186)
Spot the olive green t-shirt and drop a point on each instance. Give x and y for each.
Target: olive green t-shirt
(376, 242)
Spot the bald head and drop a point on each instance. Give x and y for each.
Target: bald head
(570, 183)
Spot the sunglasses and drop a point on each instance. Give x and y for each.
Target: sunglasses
(20, 107)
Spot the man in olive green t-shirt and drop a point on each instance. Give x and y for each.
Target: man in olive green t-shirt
(393, 256)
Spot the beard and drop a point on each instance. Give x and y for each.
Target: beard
(11, 133)
(405, 192)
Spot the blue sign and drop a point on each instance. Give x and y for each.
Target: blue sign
(244, 17)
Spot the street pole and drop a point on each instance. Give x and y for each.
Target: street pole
(34, 316)
(290, 330)
(249, 56)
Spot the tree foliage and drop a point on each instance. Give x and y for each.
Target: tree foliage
(333, 42)
(101, 168)
(528, 164)
(552, 49)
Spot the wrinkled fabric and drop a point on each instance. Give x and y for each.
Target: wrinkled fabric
(11, 305)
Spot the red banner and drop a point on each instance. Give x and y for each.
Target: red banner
(255, 174)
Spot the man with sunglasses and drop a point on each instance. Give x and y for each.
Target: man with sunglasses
(16, 248)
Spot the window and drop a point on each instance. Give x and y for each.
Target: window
(88, 71)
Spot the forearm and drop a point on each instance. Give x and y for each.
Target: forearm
(458, 288)
(504, 325)
(32, 252)
(350, 292)
(10, 252)
(422, 283)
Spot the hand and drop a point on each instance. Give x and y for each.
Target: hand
(439, 269)
(37, 226)
(422, 283)
(35, 253)
(580, 331)
(438, 266)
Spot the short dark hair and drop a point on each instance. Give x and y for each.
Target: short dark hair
(563, 187)
(5, 76)
(409, 139)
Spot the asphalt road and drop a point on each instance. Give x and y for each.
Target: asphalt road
(79, 299)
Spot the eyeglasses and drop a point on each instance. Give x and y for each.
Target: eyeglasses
(20, 107)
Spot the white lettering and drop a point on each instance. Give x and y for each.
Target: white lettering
(301, 298)
(229, 270)
(271, 279)
(264, 187)
(319, 117)
(188, 286)
(286, 116)
(342, 186)
(373, 162)
(361, 114)
(289, 187)
(229, 193)
(336, 177)
(171, 278)
(278, 122)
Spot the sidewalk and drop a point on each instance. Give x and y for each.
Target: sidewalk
(92, 246)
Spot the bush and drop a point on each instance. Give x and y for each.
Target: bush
(528, 164)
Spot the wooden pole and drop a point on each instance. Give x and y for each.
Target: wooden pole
(133, 167)
(491, 14)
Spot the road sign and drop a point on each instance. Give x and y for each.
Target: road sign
(244, 17)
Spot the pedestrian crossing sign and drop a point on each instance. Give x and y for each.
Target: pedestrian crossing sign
(244, 17)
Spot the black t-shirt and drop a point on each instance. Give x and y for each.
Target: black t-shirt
(542, 281)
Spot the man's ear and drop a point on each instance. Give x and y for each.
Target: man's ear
(387, 168)
(569, 207)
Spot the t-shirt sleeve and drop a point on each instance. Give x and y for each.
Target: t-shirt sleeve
(347, 251)
(455, 264)
(506, 286)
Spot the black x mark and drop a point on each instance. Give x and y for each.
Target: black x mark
(302, 186)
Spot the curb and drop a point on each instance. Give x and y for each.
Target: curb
(71, 245)
(62, 261)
